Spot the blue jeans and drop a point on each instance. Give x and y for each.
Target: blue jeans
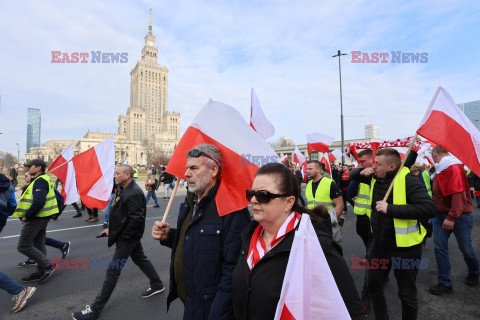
(462, 230)
(54, 243)
(10, 285)
(151, 194)
(109, 207)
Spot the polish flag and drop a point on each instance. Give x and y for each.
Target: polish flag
(309, 290)
(243, 152)
(319, 142)
(66, 174)
(446, 125)
(285, 158)
(429, 158)
(326, 161)
(94, 170)
(334, 155)
(258, 121)
(298, 157)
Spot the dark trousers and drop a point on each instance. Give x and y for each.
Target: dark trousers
(55, 243)
(125, 248)
(92, 212)
(365, 233)
(364, 230)
(32, 242)
(3, 221)
(345, 200)
(406, 278)
(75, 205)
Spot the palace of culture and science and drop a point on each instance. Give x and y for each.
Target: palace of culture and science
(147, 129)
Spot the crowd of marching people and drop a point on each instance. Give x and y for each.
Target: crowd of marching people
(234, 266)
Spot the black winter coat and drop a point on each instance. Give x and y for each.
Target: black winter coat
(419, 206)
(127, 218)
(256, 294)
(210, 252)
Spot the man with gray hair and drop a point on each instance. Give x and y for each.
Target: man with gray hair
(125, 229)
(205, 246)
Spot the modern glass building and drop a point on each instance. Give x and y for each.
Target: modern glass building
(33, 128)
(472, 111)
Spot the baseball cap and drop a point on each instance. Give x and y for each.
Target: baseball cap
(36, 162)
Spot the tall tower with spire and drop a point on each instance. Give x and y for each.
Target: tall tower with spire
(147, 115)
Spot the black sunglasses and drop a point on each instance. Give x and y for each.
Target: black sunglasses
(195, 153)
(263, 196)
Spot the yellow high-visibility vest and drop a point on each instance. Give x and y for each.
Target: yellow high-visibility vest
(135, 173)
(362, 200)
(49, 208)
(408, 232)
(322, 194)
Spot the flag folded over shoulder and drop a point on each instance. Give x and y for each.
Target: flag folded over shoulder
(446, 125)
(309, 290)
(94, 171)
(243, 152)
(66, 174)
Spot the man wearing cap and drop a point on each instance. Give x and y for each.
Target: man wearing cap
(205, 246)
(36, 206)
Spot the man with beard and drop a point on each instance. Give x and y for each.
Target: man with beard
(205, 246)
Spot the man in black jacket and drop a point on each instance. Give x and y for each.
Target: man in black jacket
(125, 229)
(205, 246)
(397, 229)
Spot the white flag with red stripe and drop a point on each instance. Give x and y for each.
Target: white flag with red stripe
(334, 155)
(243, 152)
(429, 158)
(326, 161)
(258, 120)
(298, 157)
(319, 142)
(285, 158)
(446, 125)
(94, 170)
(309, 290)
(66, 174)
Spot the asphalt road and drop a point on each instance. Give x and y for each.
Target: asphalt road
(70, 290)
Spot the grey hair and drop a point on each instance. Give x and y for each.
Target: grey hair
(213, 152)
(127, 169)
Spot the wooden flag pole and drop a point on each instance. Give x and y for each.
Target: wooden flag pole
(59, 166)
(401, 166)
(165, 216)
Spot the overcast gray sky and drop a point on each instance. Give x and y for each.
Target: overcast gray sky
(221, 49)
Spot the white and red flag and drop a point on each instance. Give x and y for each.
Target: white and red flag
(243, 152)
(258, 120)
(446, 125)
(298, 157)
(429, 158)
(309, 290)
(94, 170)
(66, 174)
(334, 155)
(319, 142)
(285, 158)
(326, 161)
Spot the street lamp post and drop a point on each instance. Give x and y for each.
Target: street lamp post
(339, 54)
(18, 153)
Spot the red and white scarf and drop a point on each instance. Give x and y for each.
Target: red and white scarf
(257, 246)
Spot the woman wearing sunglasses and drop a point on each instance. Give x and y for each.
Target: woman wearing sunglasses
(258, 276)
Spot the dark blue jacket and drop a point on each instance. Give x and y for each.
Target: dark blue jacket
(211, 249)
(8, 204)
